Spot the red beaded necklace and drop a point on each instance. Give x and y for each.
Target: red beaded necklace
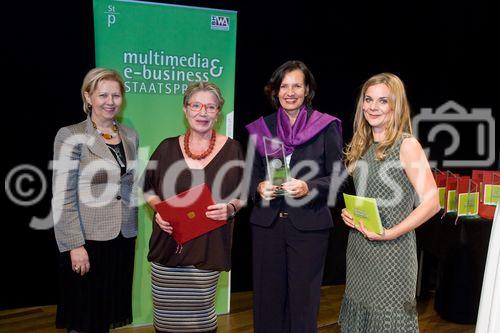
(205, 153)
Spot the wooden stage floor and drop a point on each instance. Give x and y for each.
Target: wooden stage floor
(41, 319)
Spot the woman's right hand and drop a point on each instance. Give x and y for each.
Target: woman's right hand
(347, 218)
(266, 190)
(164, 225)
(79, 260)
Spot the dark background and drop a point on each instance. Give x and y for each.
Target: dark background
(442, 50)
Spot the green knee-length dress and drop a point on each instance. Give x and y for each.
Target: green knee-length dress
(382, 275)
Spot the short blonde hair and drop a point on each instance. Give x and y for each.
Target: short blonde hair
(197, 86)
(92, 79)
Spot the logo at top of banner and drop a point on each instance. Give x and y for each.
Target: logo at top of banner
(219, 23)
(111, 15)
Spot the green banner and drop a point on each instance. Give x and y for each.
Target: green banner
(159, 49)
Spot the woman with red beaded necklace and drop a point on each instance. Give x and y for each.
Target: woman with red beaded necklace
(184, 282)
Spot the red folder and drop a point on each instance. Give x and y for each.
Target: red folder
(451, 182)
(440, 180)
(484, 177)
(466, 185)
(186, 213)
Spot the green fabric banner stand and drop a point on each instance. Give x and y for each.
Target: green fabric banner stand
(159, 49)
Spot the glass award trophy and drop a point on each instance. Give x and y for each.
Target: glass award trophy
(277, 168)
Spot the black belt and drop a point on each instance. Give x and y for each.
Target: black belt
(283, 215)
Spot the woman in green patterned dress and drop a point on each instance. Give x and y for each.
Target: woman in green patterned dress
(387, 164)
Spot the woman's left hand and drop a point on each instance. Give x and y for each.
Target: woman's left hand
(387, 234)
(218, 212)
(295, 188)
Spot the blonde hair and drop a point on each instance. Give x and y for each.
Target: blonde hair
(92, 79)
(399, 121)
(197, 86)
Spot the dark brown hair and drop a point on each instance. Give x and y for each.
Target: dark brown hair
(273, 85)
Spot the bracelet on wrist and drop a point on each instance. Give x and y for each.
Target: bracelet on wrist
(233, 214)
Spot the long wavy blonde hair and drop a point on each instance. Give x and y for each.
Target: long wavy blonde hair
(399, 121)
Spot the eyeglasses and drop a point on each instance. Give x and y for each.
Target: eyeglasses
(197, 106)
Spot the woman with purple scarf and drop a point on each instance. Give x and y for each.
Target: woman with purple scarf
(291, 221)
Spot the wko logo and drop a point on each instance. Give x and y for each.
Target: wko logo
(219, 23)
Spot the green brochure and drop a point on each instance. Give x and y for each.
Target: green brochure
(442, 196)
(366, 210)
(468, 204)
(491, 194)
(451, 205)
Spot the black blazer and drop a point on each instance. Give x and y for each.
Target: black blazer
(326, 149)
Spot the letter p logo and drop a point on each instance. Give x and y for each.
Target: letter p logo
(111, 15)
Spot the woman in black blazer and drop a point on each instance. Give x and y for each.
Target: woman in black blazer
(290, 231)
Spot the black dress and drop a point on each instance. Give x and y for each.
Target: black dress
(162, 247)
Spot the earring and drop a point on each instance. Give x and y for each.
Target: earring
(90, 106)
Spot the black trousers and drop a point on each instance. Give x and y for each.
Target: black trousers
(287, 273)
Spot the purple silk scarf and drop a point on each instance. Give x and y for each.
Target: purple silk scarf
(303, 130)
